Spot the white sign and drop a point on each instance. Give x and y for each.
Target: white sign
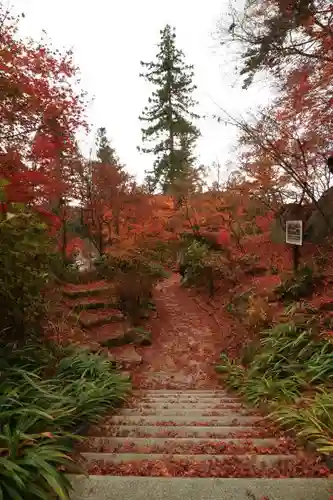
(294, 232)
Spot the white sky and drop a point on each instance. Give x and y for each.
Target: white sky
(109, 38)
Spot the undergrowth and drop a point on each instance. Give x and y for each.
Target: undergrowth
(201, 266)
(289, 370)
(134, 277)
(300, 285)
(48, 394)
(25, 257)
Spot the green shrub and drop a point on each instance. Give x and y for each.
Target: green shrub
(233, 371)
(312, 421)
(206, 238)
(134, 277)
(288, 358)
(40, 408)
(25, 257)
(289, 364)
(299, 285)
(263, 390)
(289, 349)
(29, 466)
(79, 380)
(191, 259)
(203, 267)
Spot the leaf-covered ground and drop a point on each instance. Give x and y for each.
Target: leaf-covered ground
(189, 334)
(187, 342)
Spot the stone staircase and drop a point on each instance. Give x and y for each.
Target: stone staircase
(219, 448)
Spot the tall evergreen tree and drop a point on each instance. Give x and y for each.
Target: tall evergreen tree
(169, 116)
(104, 151)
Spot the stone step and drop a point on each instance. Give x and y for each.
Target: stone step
(118, 458)
(190, 406)
(82, 291)
(99, 317)
(183, 431)
(186, 401)
(98, 443)
(230, 420)
(190, 412)
(158, 488)
(88, 305)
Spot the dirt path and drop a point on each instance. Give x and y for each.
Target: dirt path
(187, 342)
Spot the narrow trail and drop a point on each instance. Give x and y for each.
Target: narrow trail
(187, 343)
(180, 421)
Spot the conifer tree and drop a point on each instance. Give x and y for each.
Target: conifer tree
(169, 132)
(105, 152)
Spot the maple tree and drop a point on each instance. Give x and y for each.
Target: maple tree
(283, 154)
(114, 211)
(284, 149)
(41, 111)
(281, 35)
(101, 186)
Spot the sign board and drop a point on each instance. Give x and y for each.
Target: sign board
(294, 232)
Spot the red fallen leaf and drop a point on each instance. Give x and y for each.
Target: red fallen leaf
(232, 467)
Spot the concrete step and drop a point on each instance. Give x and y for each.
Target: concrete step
(98, 443)
(118, 458)
(158, 488)
(192, 413)
(230, 420)
(189, 406)
(182, 431)
(188, 400)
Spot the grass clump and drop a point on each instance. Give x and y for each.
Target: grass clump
(290, 372)
(48, 394)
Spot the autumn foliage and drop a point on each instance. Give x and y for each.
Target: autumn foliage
(281, 155)
(40, 114)
(219, 239)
